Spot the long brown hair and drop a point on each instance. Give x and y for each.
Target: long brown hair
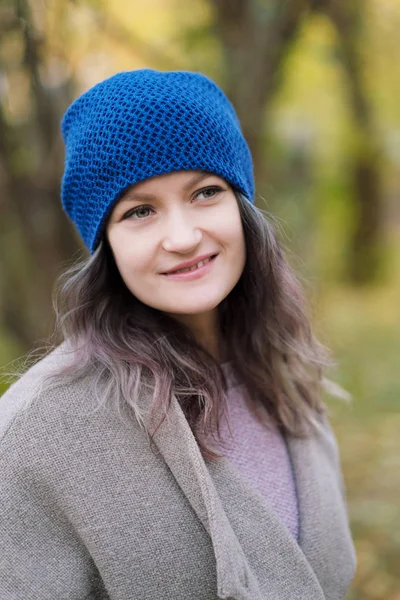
(133, 347)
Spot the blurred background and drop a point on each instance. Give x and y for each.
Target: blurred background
(316, 84)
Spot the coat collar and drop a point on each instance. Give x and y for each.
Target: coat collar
(314, 564)
(325, 537)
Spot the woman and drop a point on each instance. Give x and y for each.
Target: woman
(175, 445)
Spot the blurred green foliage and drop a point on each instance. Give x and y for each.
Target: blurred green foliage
(363, 329)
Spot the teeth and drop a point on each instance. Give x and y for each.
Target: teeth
(194, 267)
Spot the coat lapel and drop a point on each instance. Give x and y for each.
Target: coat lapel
(276, 559)
(180, 451)
(325, 537)
(256, 556)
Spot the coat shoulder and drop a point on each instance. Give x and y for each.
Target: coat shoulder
(19, 397)
(44, 403)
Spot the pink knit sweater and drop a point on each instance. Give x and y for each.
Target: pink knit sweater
(258, 450)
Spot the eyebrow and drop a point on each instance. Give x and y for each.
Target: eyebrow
(137, 196)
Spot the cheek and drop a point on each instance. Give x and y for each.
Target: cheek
(232, 233)
(131, 257)
(240, 251)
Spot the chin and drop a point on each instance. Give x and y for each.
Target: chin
(191, 308)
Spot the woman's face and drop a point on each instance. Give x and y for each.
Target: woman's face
(166, 225)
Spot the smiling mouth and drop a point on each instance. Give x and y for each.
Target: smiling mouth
(198, 265)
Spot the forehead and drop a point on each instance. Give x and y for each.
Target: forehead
(176, 181)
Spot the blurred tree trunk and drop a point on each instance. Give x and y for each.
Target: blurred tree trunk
(35, 241)
(366, 244)
(255, 37)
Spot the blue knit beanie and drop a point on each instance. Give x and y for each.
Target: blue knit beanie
(138, 124)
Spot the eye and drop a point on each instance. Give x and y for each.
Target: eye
(139, 212)
(208, 192)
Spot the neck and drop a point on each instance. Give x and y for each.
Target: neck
(205, 328)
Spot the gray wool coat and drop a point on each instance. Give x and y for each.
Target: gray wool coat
(90, 511)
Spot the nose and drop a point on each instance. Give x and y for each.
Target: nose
(181, 234)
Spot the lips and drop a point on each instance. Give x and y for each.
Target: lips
(190, 265)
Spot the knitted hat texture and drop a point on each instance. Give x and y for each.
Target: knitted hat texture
(139, 124)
